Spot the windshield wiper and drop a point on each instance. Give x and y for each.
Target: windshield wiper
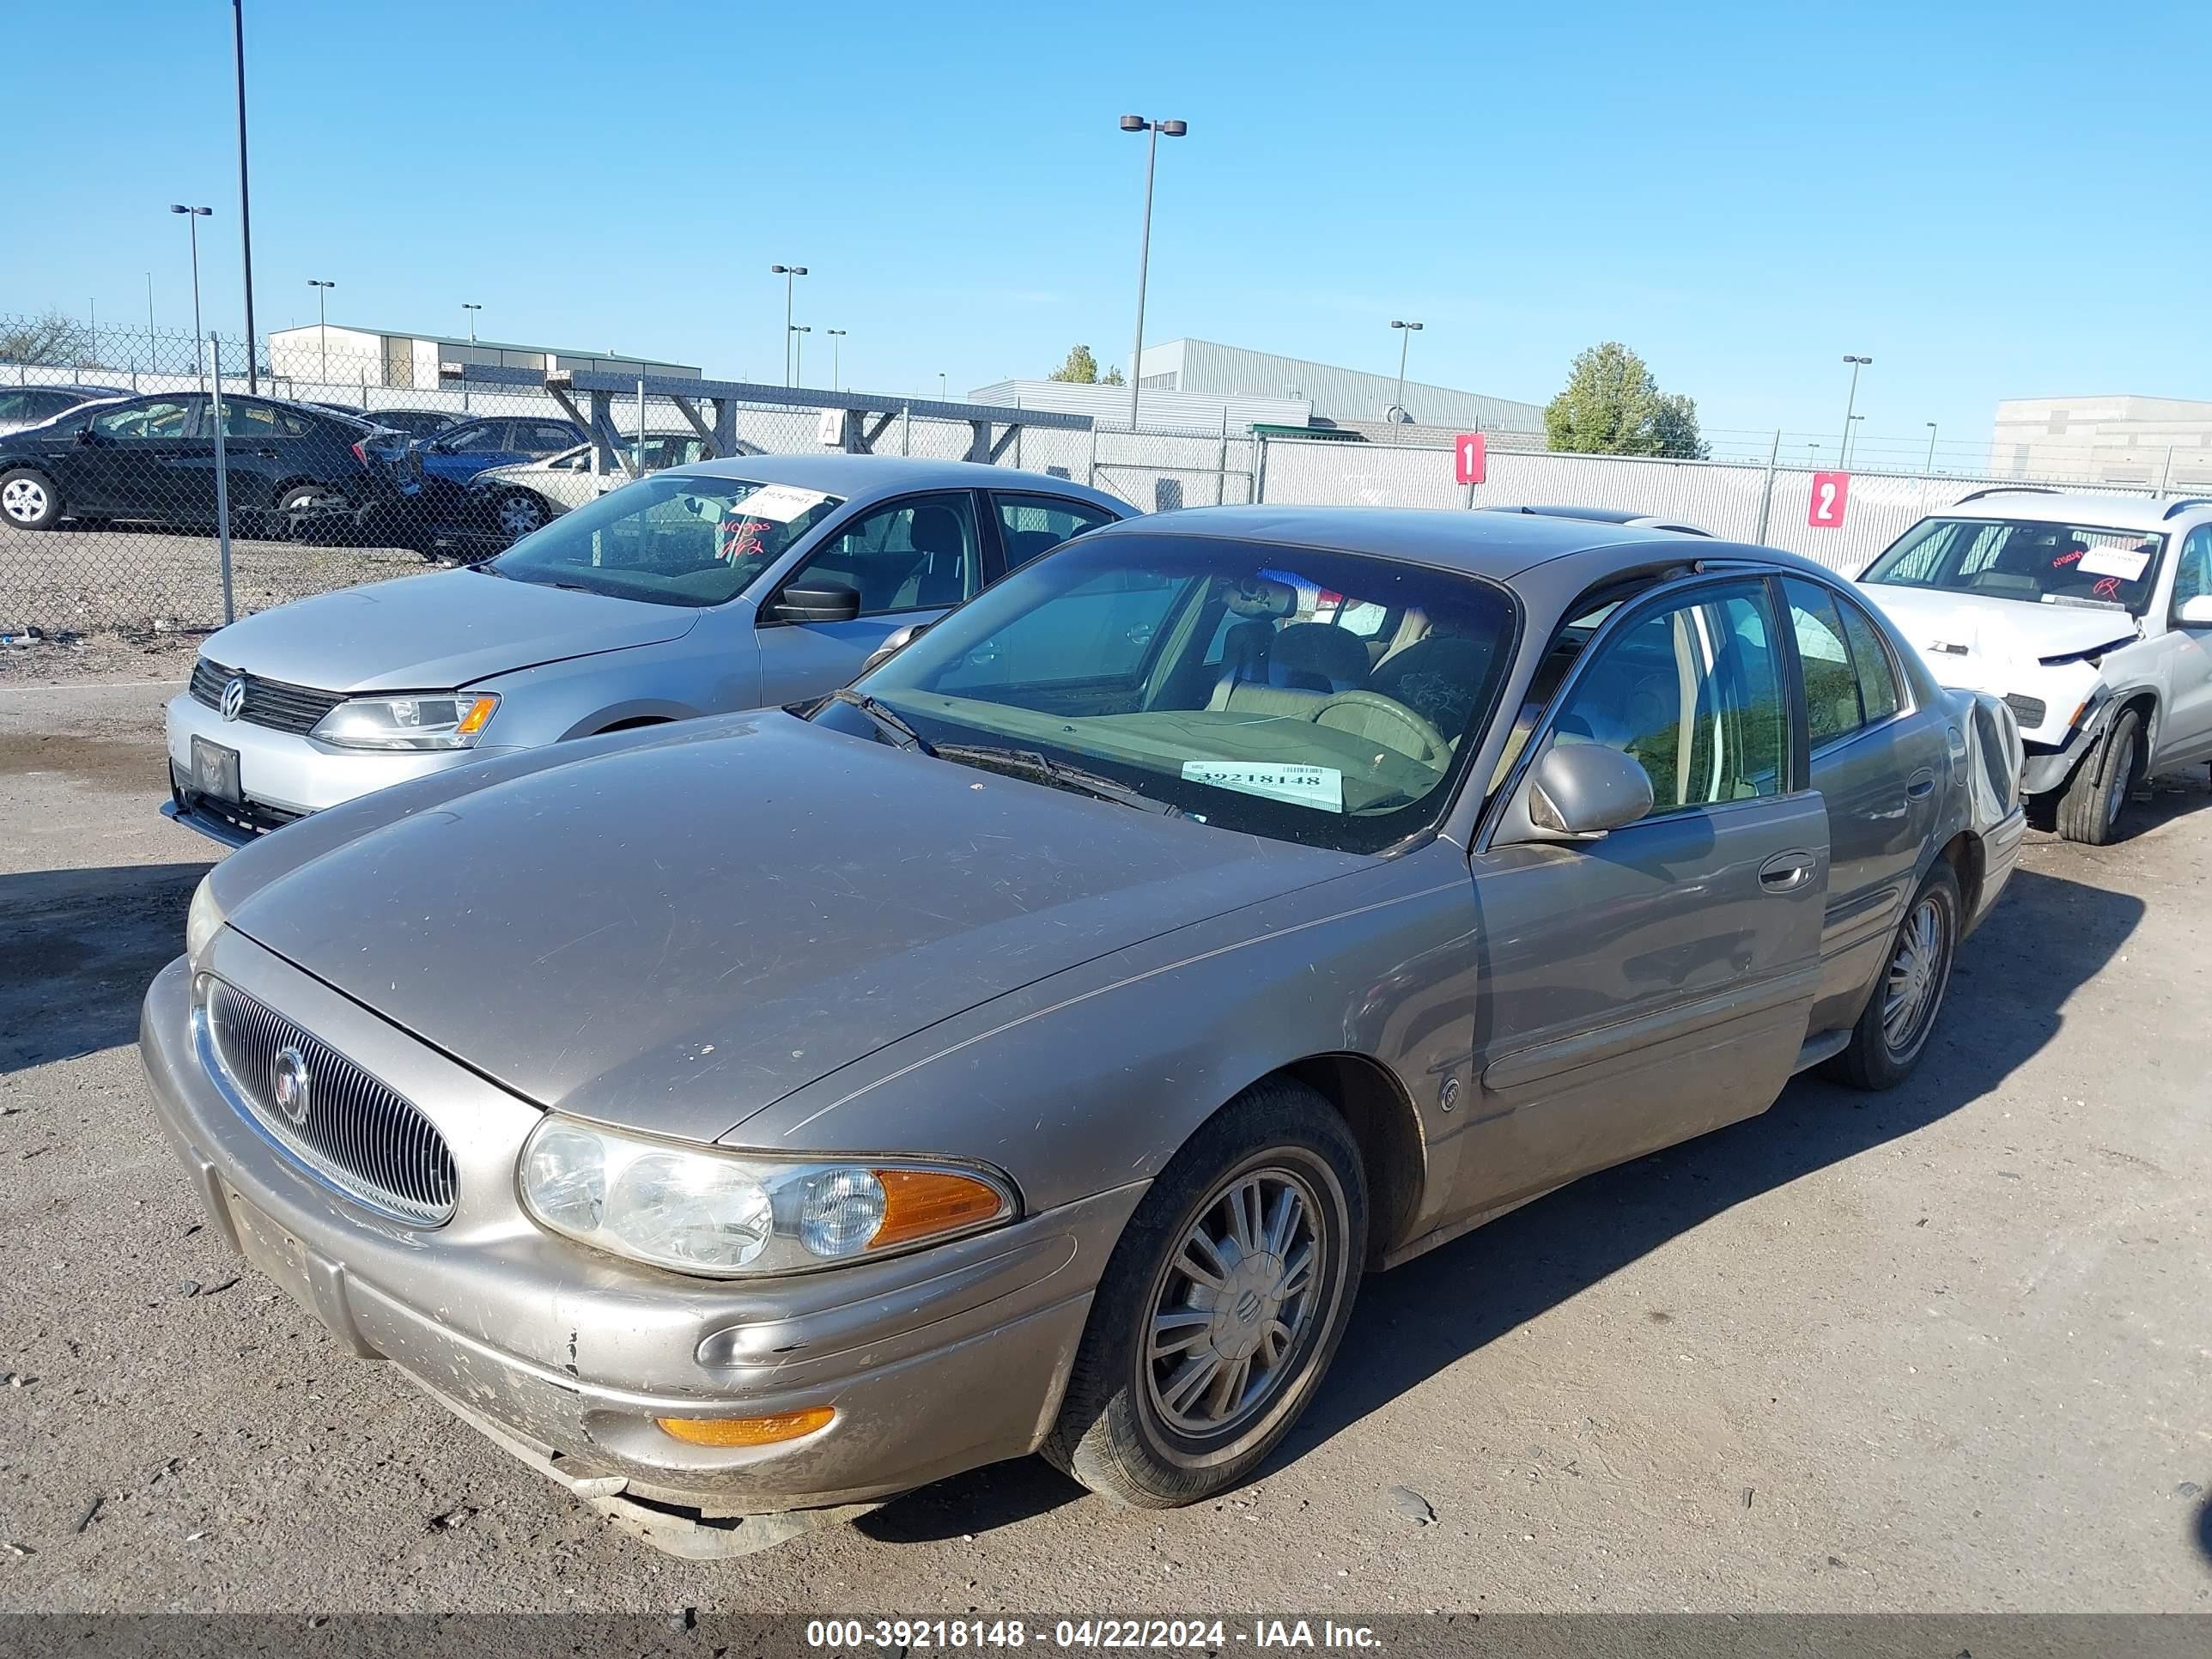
(886, 718)
(1042, 768)
(487, 568)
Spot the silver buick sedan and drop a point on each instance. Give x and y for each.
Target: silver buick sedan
(1028, 1047)
(717, 586)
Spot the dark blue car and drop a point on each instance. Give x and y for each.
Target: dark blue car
(460, 451)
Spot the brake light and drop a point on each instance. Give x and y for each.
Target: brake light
(361, 454)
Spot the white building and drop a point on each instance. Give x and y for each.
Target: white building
(340, 354)
(1337, 397)
(2121, 438)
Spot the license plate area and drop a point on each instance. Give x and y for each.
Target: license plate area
(273, 1252)
(215, 771)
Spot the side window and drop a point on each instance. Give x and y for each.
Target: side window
(1832, 684)
(1689, 691)
(245, 420)
(1030, 524)
(157, 418)
(1878, 689)
(916, 555)
(490, 438)
(542, 437)
(2192, 576)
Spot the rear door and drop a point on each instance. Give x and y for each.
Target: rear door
(1656, 983)
(909, 559)
(1029, 525)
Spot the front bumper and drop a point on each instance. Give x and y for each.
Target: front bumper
(935, 1362)
(282, 775)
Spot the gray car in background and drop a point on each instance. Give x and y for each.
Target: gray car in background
(709, 588)
(1030, 1046)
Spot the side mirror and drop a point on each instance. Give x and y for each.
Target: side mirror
(2196, 612)
(85, 435)
(1578, 791)
(823, 602)
(894, 642)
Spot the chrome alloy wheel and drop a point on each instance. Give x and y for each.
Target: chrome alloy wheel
(1237, 1301)
(517, 515)
(2116, 789)
(1916, 976)
(23, 500)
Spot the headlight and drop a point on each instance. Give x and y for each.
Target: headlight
(725, 1214)
(203, 922)
(446, 721)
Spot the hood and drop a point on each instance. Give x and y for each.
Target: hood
(673, 932)
(433, 633)
(1968, 639)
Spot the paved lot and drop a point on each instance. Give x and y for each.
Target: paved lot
(1948, 1348)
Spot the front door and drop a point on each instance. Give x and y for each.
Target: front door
(910, 561)
(1646, 987)
(2186, 728)
(130, 464)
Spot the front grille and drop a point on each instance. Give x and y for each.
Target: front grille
(353, 1132)
(2029, 711)
(276, 704)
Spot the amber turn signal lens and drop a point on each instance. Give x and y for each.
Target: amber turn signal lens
(745, 1431)
(479, 712)
(920, 1203)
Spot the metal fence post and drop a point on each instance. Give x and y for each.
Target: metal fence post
(1766, 500)
(1259, 466)
(906, 430)
(1090, 472)
(222, 487)
(2166, 472)
(1221, 462)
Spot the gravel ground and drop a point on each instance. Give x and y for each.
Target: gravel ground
(1948, 1348)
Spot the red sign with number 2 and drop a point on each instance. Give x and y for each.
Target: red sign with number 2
(1831, 490)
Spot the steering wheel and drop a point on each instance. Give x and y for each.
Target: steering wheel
(1433, 744)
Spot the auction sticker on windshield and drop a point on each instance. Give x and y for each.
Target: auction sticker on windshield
(777, 504)
(2125, 562)
(1320, 786)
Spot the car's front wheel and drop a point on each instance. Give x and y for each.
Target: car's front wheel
(1222, 1305)
(516, 514)
(1893, 1033)
(27, 499)
(2095, 796)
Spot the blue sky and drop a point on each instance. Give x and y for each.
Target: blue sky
(1990, 200)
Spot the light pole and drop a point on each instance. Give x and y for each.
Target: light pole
(941, 393)
(790, 275)
(192, 217)
(244, 202)
(836, 357)
(1851, 439)
(1930, 467)
(471, 309)
(798, 331)
(1850, 402)
(1405, 338)
(1174, 129)
(322, 322)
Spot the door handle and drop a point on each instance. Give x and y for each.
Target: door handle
(1922, 785)
(1785, 872)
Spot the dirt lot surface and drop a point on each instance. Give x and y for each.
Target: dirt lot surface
(1947, 1348)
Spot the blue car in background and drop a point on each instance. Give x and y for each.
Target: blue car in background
(456, 455)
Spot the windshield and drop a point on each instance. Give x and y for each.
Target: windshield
(2035, 562)
(672, 539)
(1326, 698)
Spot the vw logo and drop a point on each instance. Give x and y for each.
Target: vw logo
(288, 1086)
(234, 698)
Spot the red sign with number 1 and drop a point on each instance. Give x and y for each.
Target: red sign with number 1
(1831, 490)
(1468, 450)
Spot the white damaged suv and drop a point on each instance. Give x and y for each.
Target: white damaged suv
(2090, 615)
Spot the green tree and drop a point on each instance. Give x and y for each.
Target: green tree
(1112, 377)
(1081, 367)
(1611, 405)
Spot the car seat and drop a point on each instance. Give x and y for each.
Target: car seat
(1318, 657)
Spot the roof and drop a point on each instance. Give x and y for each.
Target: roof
(2084, 508)
(855, 476)
(1335, 393)
(481, 344)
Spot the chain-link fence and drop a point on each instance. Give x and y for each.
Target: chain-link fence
(341, 466)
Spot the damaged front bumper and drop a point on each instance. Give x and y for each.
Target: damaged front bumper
(933, 1362)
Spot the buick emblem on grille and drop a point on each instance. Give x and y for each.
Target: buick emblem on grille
(234, 698)
(289, 1084)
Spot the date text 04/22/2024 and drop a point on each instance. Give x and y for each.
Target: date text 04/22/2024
(1204, 1635)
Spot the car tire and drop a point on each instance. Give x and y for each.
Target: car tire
(2095, 797)
(28, 500)
(1899, 1017)
(1155, 1430)
(517, 512)
(292, 501)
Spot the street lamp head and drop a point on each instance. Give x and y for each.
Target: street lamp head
(470, 305)
(801, 328)
(786, 270)
(1175, 129)
(834, 331)
(316, 281)
(1850, 359)
(1134, 124)
(201, 212)
(1415, 327)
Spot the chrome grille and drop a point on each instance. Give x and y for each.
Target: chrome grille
(351, 1130)
(2028, 711)
(276, 704)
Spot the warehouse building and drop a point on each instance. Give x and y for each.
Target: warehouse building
(2121, 439)
(340, 354)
